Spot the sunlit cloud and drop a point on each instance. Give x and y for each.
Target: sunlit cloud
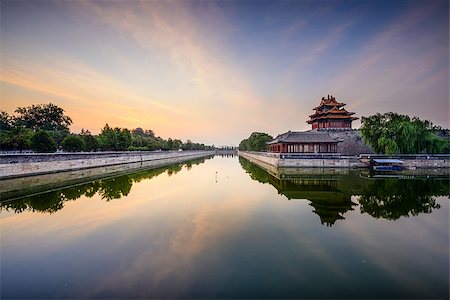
(214, 72)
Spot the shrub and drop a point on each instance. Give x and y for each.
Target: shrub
(90, 142)
(42, 142)
(72, 143)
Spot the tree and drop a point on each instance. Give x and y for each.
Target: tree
(72, 143)
(18, 138)
(58, 135)
(42, 142)
(176, 144)
(114, 139)
(188, 145)
(90, 142)
(391, 133)
(5, 121)
(257, 141)
(42, 117)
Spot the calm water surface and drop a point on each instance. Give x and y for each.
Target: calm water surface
(224, 228)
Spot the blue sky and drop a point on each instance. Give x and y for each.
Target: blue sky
(215, 71)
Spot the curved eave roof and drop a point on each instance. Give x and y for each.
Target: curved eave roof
(303, 137)
(336, 104)
(332, 111)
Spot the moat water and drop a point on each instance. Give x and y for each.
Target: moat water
(224, 228)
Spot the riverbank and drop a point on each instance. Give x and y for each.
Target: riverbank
(273, 162)
(23, 165)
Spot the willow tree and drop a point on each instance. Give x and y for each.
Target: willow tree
(391, 133)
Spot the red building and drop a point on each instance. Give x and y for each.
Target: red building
(331, 114)
(303, 142)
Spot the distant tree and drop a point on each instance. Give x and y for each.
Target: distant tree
(188, 145)
(391, 133)
(42, 142)
(42, 117)
(114, 139)
(18, 138)
(176, 144)
(90, 142)
(170, 144)
(72, 143)
(5, 121)
(257, 141)
(58, 135)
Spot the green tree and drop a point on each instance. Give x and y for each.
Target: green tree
(257, 141)
(176, 144)
(42, 117)
(90, 142)
(18, 138)
(5, 121)
(58, 135)
(188, 145)
(116, 139)
(42, 142)
(391, 133)
(72, 143)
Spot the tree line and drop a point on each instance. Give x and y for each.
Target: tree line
(257, 141)
(45, 128)
(393, 133)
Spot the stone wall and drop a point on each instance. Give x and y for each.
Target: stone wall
(277, 161)
(350, 162)
(18, 165)
(352, 142)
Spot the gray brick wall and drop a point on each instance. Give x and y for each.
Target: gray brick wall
(352, 141)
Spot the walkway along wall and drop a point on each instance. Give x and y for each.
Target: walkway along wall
(20, 165)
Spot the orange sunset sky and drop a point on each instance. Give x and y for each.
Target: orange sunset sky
(215, 71)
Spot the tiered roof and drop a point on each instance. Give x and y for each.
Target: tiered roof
(330, 109)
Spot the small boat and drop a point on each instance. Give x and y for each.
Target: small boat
(384, 164)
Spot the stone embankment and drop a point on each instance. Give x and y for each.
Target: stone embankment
(290, 160)
(20, 165)
(294, 160)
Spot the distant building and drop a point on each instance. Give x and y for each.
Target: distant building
(303, 142)
(331, 114)
(331, 133)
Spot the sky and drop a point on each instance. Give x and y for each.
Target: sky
(216, 71)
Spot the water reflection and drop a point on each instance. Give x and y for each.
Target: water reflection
(108, 189)
(331, 194)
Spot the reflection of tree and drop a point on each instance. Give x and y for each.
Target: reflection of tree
(49, 203)
(330, 195)
(174, 169)
(255, 172)
(115, 188)
(108, 189)
(393, 198)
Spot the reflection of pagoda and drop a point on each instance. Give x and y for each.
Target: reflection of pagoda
(329, 203)
(331, 114)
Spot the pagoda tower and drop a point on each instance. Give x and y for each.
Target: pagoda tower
(331, 114)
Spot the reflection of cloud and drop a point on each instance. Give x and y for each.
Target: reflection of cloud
(384, 246)
(197, 236)
(78, 223)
